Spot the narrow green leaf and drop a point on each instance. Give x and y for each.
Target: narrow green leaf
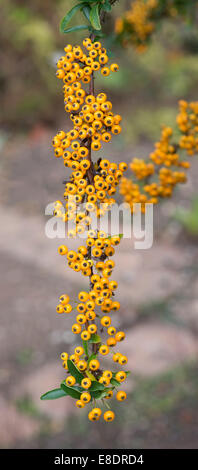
(75, 28)
(86, 12)
(93, 356)
(98, 35)
(95, 17)
(127, 372)
(76, 387)
(115, 382)
(53, 394)
(107, 6)
(71, 391)
(67, 18)
(74, 371)
(95, 339)
(97, 394)
(91, 376)
(96, 386)
(85, 347)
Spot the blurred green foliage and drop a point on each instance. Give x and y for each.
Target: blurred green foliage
(189, 218)
(25, 405)
(29, 39)
(147, 86)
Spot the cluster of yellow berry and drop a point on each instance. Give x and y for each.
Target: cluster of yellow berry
(98, 246)
(90, 185)
(187, 121)
(163, 172)
(93, 124)
(136, 26)
(90, 188)
(89, 322)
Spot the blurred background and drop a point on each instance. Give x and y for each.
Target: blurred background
(157, 287)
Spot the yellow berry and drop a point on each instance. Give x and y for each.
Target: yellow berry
(94, 364)
(109, 416)
(120, 376)
(121, 396)
(85, 397)
(104, 350)
(80, 404)
(79, 350)
(70, 380)
(86, 383)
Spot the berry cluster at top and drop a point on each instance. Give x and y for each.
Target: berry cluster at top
(89, 189)
(137, 24)
(163, 172)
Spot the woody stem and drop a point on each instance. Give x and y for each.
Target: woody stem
(90, 175)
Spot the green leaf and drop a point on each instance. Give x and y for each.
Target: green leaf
(86, 12)
(120, 235)
(67, 18)
(74, 371)
(97, 394)
(98, 35)
(93, 356)
(71, 391)
(91, 376)
(95, 17)
(96, 386)
(127, 372)
(53, 394)
(85, 347)
(76, 28)
(97, 390)
(95, 339)
(115, 382)
(107, 6)
(76, 387)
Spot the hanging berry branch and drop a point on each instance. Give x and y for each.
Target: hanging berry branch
(93, 183)
(155, 179)
(138, 24)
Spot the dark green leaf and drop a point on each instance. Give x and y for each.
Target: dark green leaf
(98, 394)
(71, 391)
(86, 12)
(53, 394)
(93, 356)
(115, 382)
(85, 346)
(96, 386)
(98, 35)
(95, 17)
(127, 372)
(67, 18)
(76, 28)
(107, 6)
(95, 339)
(76, 387)
(74, 371)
